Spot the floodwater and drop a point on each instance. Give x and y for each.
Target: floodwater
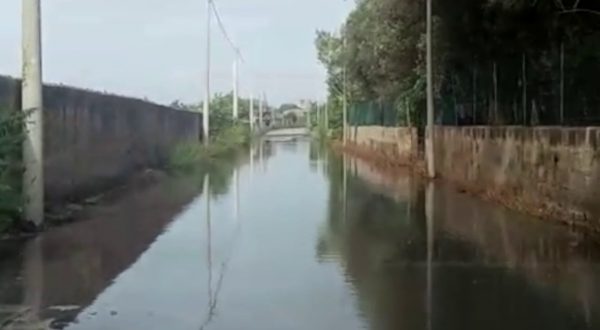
(293, 237)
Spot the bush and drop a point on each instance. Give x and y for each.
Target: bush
(191, 155)
(11, 169)
(194, 159)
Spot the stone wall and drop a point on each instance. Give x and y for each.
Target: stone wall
(93, 140)
(554, 169)
(391, 142)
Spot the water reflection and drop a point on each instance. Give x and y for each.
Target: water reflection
(294, 237)
(427, 257)
(50, 280)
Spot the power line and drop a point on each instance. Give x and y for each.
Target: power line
(224, 31)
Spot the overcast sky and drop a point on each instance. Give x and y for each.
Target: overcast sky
(155, 48)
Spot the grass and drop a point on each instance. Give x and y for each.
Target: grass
(191, 155)
(194, 160)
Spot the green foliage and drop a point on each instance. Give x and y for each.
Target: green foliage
(227, 136)
(11, 137)
(221, 111)
(321, 131)
(216, 159)
(381, 47)
(192, 154)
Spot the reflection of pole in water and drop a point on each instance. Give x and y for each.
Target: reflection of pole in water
(429, 215)
(326, 162)
(34, 278)
(236, 194)
(261, 155)
(208, 237)
(251, 160)
(344, 186)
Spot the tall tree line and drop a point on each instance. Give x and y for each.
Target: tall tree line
(518, 62)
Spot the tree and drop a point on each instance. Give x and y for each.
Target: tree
(492, 59)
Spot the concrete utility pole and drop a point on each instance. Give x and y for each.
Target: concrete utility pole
(235, 88)
(318, 114)
(261, 107)
(273, 119)
(345, 102)
(251, 113)
(327, 117)
(32, 106)
(308, 117)
(206, 108)
(429, 145)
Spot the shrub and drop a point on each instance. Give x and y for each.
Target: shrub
(191, 155)
(11, 169)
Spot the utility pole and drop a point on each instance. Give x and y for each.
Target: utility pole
(308, 116)
(251, 113)
(327, 116)
(429, 145)
(32, 106)
(206, 108)
(345, 101)
(272, 113)
(318, 114)
(261, 107)
(235, 88)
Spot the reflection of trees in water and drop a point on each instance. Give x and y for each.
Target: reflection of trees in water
(222, 169)
(318, 155)
(382, 244)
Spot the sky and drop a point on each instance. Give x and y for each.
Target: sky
(155, 49)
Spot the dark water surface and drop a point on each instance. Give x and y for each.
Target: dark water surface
(289, 240)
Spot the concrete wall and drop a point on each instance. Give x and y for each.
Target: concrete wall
(391, 142)
(93, 140)
(556, 169)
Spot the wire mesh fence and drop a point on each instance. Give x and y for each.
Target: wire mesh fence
(550, 87)
(374, 113)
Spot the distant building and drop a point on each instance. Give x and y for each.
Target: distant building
(293, 117)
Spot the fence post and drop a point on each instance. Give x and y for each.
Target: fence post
(562, 83)
(495, 78)
(524, 82)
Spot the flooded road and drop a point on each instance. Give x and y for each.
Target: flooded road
(295, 238)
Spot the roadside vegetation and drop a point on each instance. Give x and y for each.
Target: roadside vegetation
(219, 158)
(191, 155)
(11, 136)
(498, 62)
